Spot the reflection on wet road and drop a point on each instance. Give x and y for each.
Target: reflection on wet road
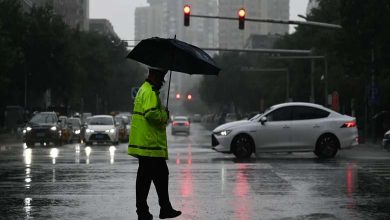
(98, 182)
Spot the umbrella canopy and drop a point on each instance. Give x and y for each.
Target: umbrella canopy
(174, 55)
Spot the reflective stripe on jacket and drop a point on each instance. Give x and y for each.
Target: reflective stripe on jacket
(148, 127)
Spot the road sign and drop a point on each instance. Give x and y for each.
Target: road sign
(134, 92)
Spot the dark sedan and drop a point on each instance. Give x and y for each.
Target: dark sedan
(43, 128)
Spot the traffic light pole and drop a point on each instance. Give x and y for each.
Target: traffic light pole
(267, 20)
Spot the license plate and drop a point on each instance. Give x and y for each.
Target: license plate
(40, 134)
(99, 136)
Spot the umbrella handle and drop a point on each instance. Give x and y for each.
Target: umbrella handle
(169, 88)
(170, 76)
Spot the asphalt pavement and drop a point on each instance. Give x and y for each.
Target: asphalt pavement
(98, 182)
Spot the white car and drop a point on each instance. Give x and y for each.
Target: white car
(101, 129)
(288, 127)
(180, 124)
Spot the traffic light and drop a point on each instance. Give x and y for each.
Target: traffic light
(241, 18)
(187, 11)
(177, 96)
(189, 97)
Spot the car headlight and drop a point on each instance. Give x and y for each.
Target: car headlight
(223, 133)
(89, 130)
(27, 129)
(112, 130)
(77, 131)
(54, 128)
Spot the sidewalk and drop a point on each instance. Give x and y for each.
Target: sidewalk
(368, 151)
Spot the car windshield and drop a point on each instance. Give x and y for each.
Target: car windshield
(101, 121)
(256, 117)
(74, 122)
(180, 119)
(43, 118)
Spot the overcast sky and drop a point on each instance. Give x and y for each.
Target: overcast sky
(121, 13)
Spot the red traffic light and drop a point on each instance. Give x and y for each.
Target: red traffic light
(241, 18)
(189, 97)
(187, 12)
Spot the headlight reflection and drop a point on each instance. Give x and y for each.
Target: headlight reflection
(77, 153)
(112, 150)
(54, 154)
(27, 207)
(87, 153)
(27, 154)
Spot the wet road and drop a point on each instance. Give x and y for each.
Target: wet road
(98, 182)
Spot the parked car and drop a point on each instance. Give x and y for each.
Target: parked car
(288, 127)
(196, 118)
(75, 125)
(101, 129)
(386, 140)
(43, 127)
(180, 124)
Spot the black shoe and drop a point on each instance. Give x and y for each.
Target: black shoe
(171, 213)
(147, 216)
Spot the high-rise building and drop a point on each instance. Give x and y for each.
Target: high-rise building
(229, 34)
(164, 18)
(148, 21)
(75, 13)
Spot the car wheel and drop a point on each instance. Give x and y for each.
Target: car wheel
(327, 146)
(243, 146)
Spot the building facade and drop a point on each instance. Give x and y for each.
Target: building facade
(229, 34)
(165, 18)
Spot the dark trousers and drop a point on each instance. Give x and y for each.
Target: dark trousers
(152, 169)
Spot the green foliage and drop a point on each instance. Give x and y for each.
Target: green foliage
(84, 71)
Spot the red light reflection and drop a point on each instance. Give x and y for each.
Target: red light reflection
(351, 184)
(241, 203)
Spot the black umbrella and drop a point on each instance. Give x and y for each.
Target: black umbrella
(174, 55)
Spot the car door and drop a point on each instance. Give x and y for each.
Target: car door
(274, 133)
(306, 126)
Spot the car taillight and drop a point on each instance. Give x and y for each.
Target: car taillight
(186, 123)
(349, 124)
(174, 123)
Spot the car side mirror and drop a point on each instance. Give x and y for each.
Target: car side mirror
(263, 120)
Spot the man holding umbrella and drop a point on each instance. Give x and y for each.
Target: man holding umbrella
(148, 139)
(148, 142)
